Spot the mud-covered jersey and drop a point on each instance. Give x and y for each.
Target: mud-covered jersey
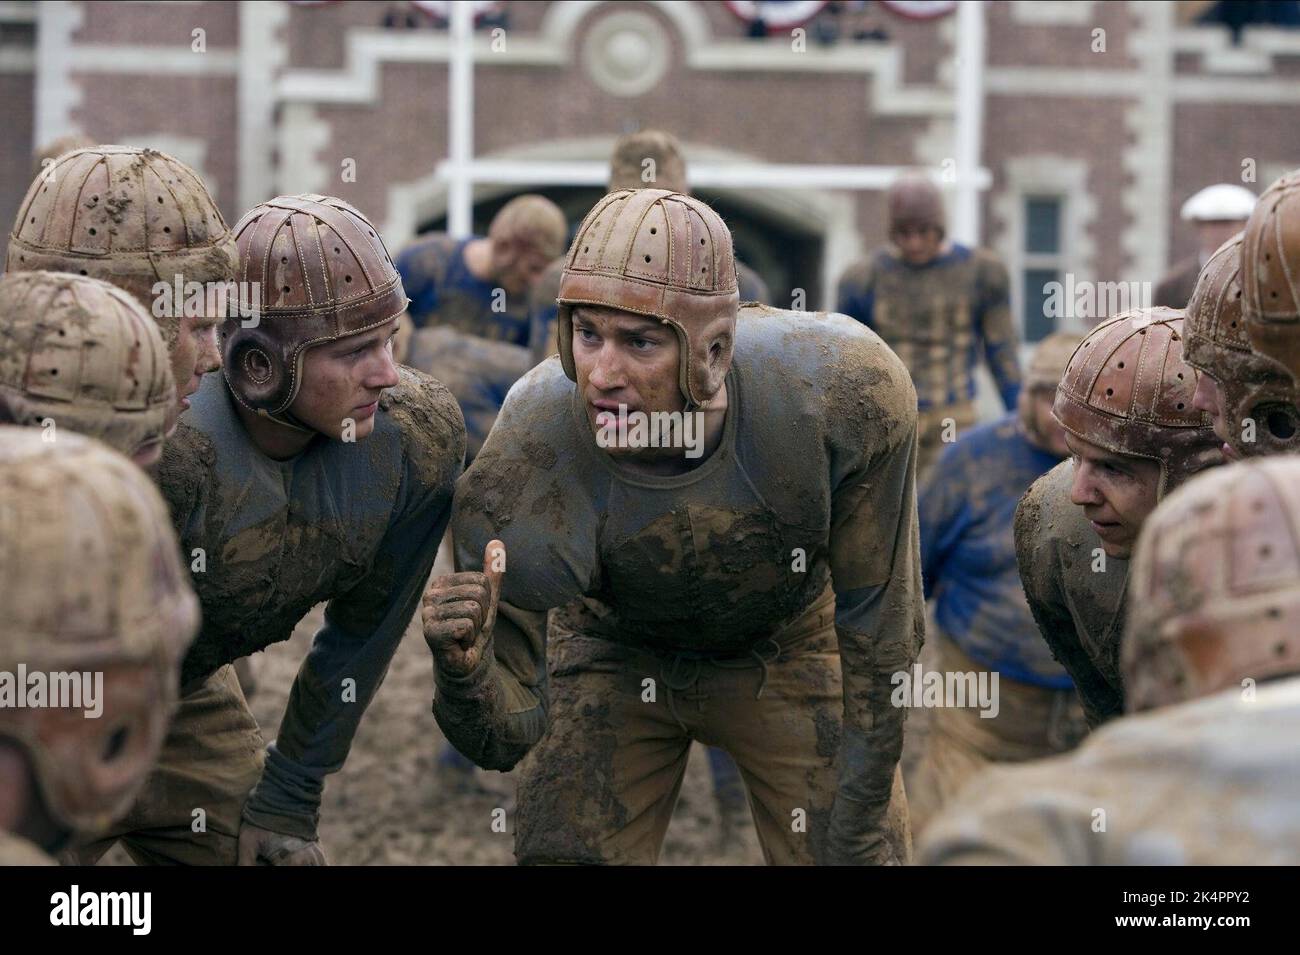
(939, 318)
(1212, 781)
(812, 484)
(353, 524)
(968, 551)
(444, 292)
(1075, 591)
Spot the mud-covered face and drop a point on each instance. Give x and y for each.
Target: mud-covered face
(1208, 397)
(624, 359)
(918, 244)
(1116, 491)
(195, 353)
(342, 382)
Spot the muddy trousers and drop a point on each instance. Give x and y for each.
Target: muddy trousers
(189, 810)
(1032, 722)
(933, 426)
(601, 785)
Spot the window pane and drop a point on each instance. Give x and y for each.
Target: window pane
(1043, 225)
(1038, 325)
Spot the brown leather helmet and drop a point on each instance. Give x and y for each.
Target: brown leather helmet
(85, 355)
(133, 217)
(1216, 585)
(1270, 269)
(1128, 389)
(663, 255)
(91, 581)
(1254, 387)
(312, 270)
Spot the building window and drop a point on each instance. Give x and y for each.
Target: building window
(1042, 263)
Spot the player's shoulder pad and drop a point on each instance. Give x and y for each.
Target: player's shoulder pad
(990, 265)
(858, 275)
(1040, 513)
(430, 424)
(825, 367)
(189, 457)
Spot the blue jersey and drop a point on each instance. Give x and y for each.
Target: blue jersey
(445, 293)
(968, 551)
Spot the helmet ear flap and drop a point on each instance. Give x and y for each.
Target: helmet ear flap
(255, 368)
(564, 336)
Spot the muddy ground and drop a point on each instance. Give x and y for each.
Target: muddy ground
(389, 805)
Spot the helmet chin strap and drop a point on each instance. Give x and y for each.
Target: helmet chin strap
(288, 420)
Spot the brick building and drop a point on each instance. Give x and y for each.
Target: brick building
(1096, 119)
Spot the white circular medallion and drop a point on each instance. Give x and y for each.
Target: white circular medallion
(626, 53)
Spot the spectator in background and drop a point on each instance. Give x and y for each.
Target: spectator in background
(1218, 213)
(469, 305)
(939, 305)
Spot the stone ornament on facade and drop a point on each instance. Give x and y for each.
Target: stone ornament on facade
(626, 53)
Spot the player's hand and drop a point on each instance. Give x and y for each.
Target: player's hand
(459, 611)
(259, 846)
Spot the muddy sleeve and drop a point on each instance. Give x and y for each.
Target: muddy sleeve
(348, 660)
(1040, 574)
(998, 331)
(855, 296)
(879, 620)
(494, 715)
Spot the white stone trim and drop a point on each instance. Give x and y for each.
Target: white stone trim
(56, 94)
(303, 134)
(1259, 47)
(1050, 175)
(1060, 81)
(1149, 120)
(262, 55)
(153, 60)
(1053, 12)
(367, 50)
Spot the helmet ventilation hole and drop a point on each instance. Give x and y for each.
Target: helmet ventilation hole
(92, 230)
(1265, 551)
(654, 231)
(1110, 392)
(1181, 406)
(1121, 364)
(347, 278)
(647, 258)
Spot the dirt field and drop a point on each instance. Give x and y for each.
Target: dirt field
(389, 806)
